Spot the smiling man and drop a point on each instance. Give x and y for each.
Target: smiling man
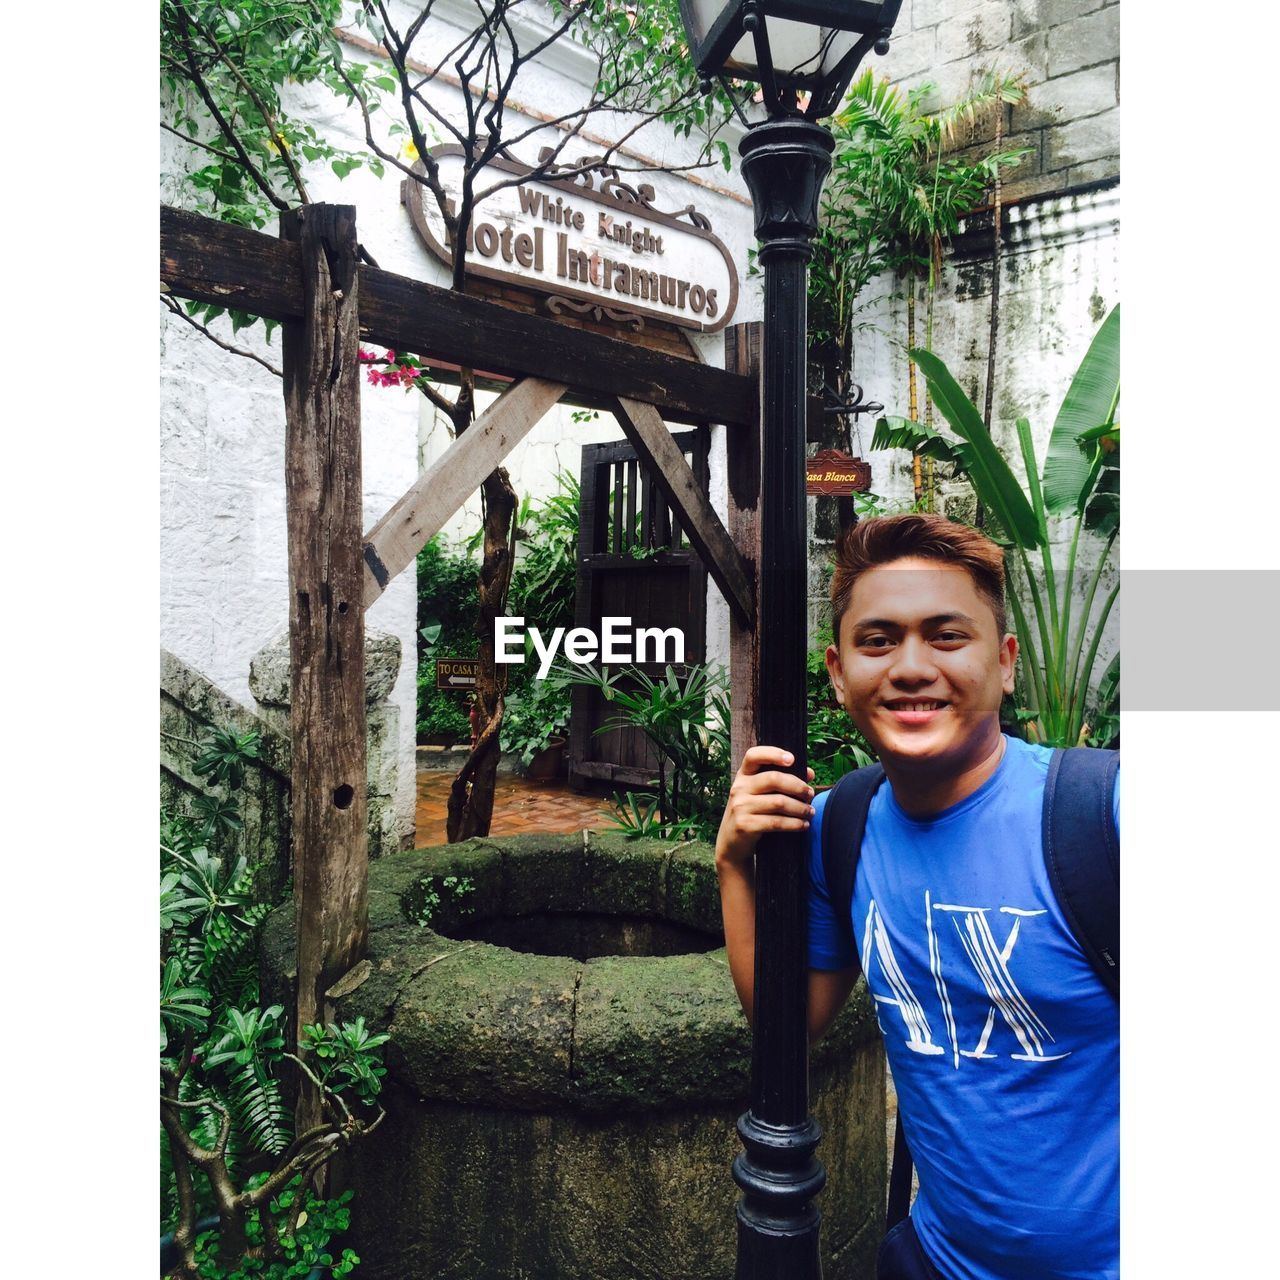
(1002, 1038)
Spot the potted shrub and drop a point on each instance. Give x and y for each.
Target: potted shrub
(535, 723)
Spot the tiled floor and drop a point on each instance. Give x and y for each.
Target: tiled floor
(519, 806)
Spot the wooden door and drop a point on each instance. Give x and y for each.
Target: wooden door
(635, 562)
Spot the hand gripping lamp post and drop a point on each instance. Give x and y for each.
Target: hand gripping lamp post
(800, 52)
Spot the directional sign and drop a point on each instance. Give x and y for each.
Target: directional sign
(457, 673)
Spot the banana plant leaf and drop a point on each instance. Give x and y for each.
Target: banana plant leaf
(903, 433)
(993, 481)
(1090, 402)
(1102, 515)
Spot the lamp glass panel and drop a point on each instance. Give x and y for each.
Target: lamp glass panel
(700, 15)
(802, 54)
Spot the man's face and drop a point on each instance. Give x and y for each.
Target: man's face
(919, 666)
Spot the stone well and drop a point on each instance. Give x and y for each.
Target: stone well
(567, 1062)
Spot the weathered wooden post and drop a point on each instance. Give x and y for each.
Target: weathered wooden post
(326, 612)
(742, 355)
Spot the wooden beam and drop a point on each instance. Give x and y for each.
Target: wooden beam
(742, 355)
(326, 617)
(212, 261)
(644, 427)
(393, 543)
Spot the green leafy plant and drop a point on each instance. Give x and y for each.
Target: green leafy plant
(539, 716)
(438, 891)
(1059, 651)
(447, 607)
(345, 1053)
(545, 577)
(223, 72)
(225, 755)
(640, 814)
(228, 1141)
(1107, 715)
(303, 1224)
(686, 718)
(898, 188)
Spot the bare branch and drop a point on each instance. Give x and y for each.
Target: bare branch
(195, 142)
(441, 402)
(226, 346)
(548, 167)
(319, 1150)
(441, 61)
(411, 31)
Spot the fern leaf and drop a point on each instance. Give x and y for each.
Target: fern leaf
(259, 1110)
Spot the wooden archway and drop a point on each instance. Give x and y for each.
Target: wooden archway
(328, 302)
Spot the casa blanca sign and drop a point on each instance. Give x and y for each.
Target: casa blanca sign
(591, 244)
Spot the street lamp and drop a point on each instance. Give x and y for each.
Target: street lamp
(803, 54)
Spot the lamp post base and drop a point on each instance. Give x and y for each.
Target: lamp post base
(777, 1219)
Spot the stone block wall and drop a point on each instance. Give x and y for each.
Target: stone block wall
(1068, 54)
(190, 703)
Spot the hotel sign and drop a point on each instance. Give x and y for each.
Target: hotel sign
(591, 244)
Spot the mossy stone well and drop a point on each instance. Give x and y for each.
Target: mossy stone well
(561, 1103)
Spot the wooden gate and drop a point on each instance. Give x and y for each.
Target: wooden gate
(634, 561)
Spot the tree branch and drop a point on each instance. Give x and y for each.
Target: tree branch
(205, 146)
(441, 402)
(202, 1156)
(226, 346)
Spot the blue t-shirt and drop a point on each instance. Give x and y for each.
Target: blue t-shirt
(1004, 1044)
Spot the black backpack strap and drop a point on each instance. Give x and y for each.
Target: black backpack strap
(1082, 853)
(844, 818)
(899, 1179)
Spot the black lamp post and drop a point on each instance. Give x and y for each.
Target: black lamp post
(800, 52)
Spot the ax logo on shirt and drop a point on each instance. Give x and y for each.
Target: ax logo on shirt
(945, 923)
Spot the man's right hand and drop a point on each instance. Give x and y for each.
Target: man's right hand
(762, 798)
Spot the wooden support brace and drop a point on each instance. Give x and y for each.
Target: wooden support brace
(326, 617)
(393, 543)
(648, 434)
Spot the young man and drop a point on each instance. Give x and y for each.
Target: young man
(1002, 1040)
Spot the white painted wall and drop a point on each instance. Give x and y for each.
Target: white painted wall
(224, 572)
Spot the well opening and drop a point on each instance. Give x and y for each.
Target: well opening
(587, 935)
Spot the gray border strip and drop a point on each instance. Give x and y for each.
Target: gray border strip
(1199, 640)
